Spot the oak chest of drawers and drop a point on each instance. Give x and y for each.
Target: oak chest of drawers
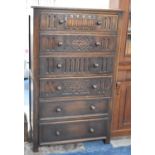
(73, 74)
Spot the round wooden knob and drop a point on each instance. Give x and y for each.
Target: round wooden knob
(99, 22)
(57, 133)
(96, 65)
(58, 110)
(59, 87)
(92, 107)
(61, 21)
(94, 86)
(59, 65)
(91, 130)
(97, 43)
(60, 43)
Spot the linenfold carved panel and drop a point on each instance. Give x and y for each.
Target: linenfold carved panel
(78, 22)
(50, 65)
(75, 43)
(78, 87)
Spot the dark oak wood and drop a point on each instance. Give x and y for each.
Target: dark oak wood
(35, 80)
(78, 20)
(25, 128)
(75, 43)
(72, 130)
(76, 87)
(73, 108)
(73, 74)
(62, 65)
(121, 120)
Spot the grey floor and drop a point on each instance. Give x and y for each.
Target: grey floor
(116, 142)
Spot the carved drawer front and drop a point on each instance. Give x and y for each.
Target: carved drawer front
(77, 86)
(76, 43)
(74, 130)
(65, 65)
(73, 108)
(78, 22)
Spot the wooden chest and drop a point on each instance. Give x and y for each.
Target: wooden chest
(73, 74)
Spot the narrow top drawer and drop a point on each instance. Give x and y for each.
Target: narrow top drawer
(78, 21)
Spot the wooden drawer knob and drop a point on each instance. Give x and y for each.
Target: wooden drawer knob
(98, 43)
(59, 65)
(61, 21)
(96, 65)
(58, 110)
(99, 22)
(59, 87)
(60, 43)
(92, 107)
(94, 86)
(57, 133)
(91, 130)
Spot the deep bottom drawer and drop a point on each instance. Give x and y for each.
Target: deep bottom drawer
(73, 130)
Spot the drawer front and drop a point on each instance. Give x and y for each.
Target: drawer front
(75, 130)
(77, 43)
(73, 108)
(76, 87)
(78, 22)
(65, 65)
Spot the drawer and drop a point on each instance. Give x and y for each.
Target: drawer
(70, 21)
(73, 130)
(73, 108)
(65, 65)
(76, 87)
(77, 43)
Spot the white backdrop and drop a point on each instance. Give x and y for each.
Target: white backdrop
(98, 4)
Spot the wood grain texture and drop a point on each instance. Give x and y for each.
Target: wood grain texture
(77, 21)
(122, 109)
(125, 105)
(78, 65)
(125, 6)
(75, 55)
(75, 87)
(35, 80)
(69, 131)
(75, 43)
(72, 108)
(121, 120)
